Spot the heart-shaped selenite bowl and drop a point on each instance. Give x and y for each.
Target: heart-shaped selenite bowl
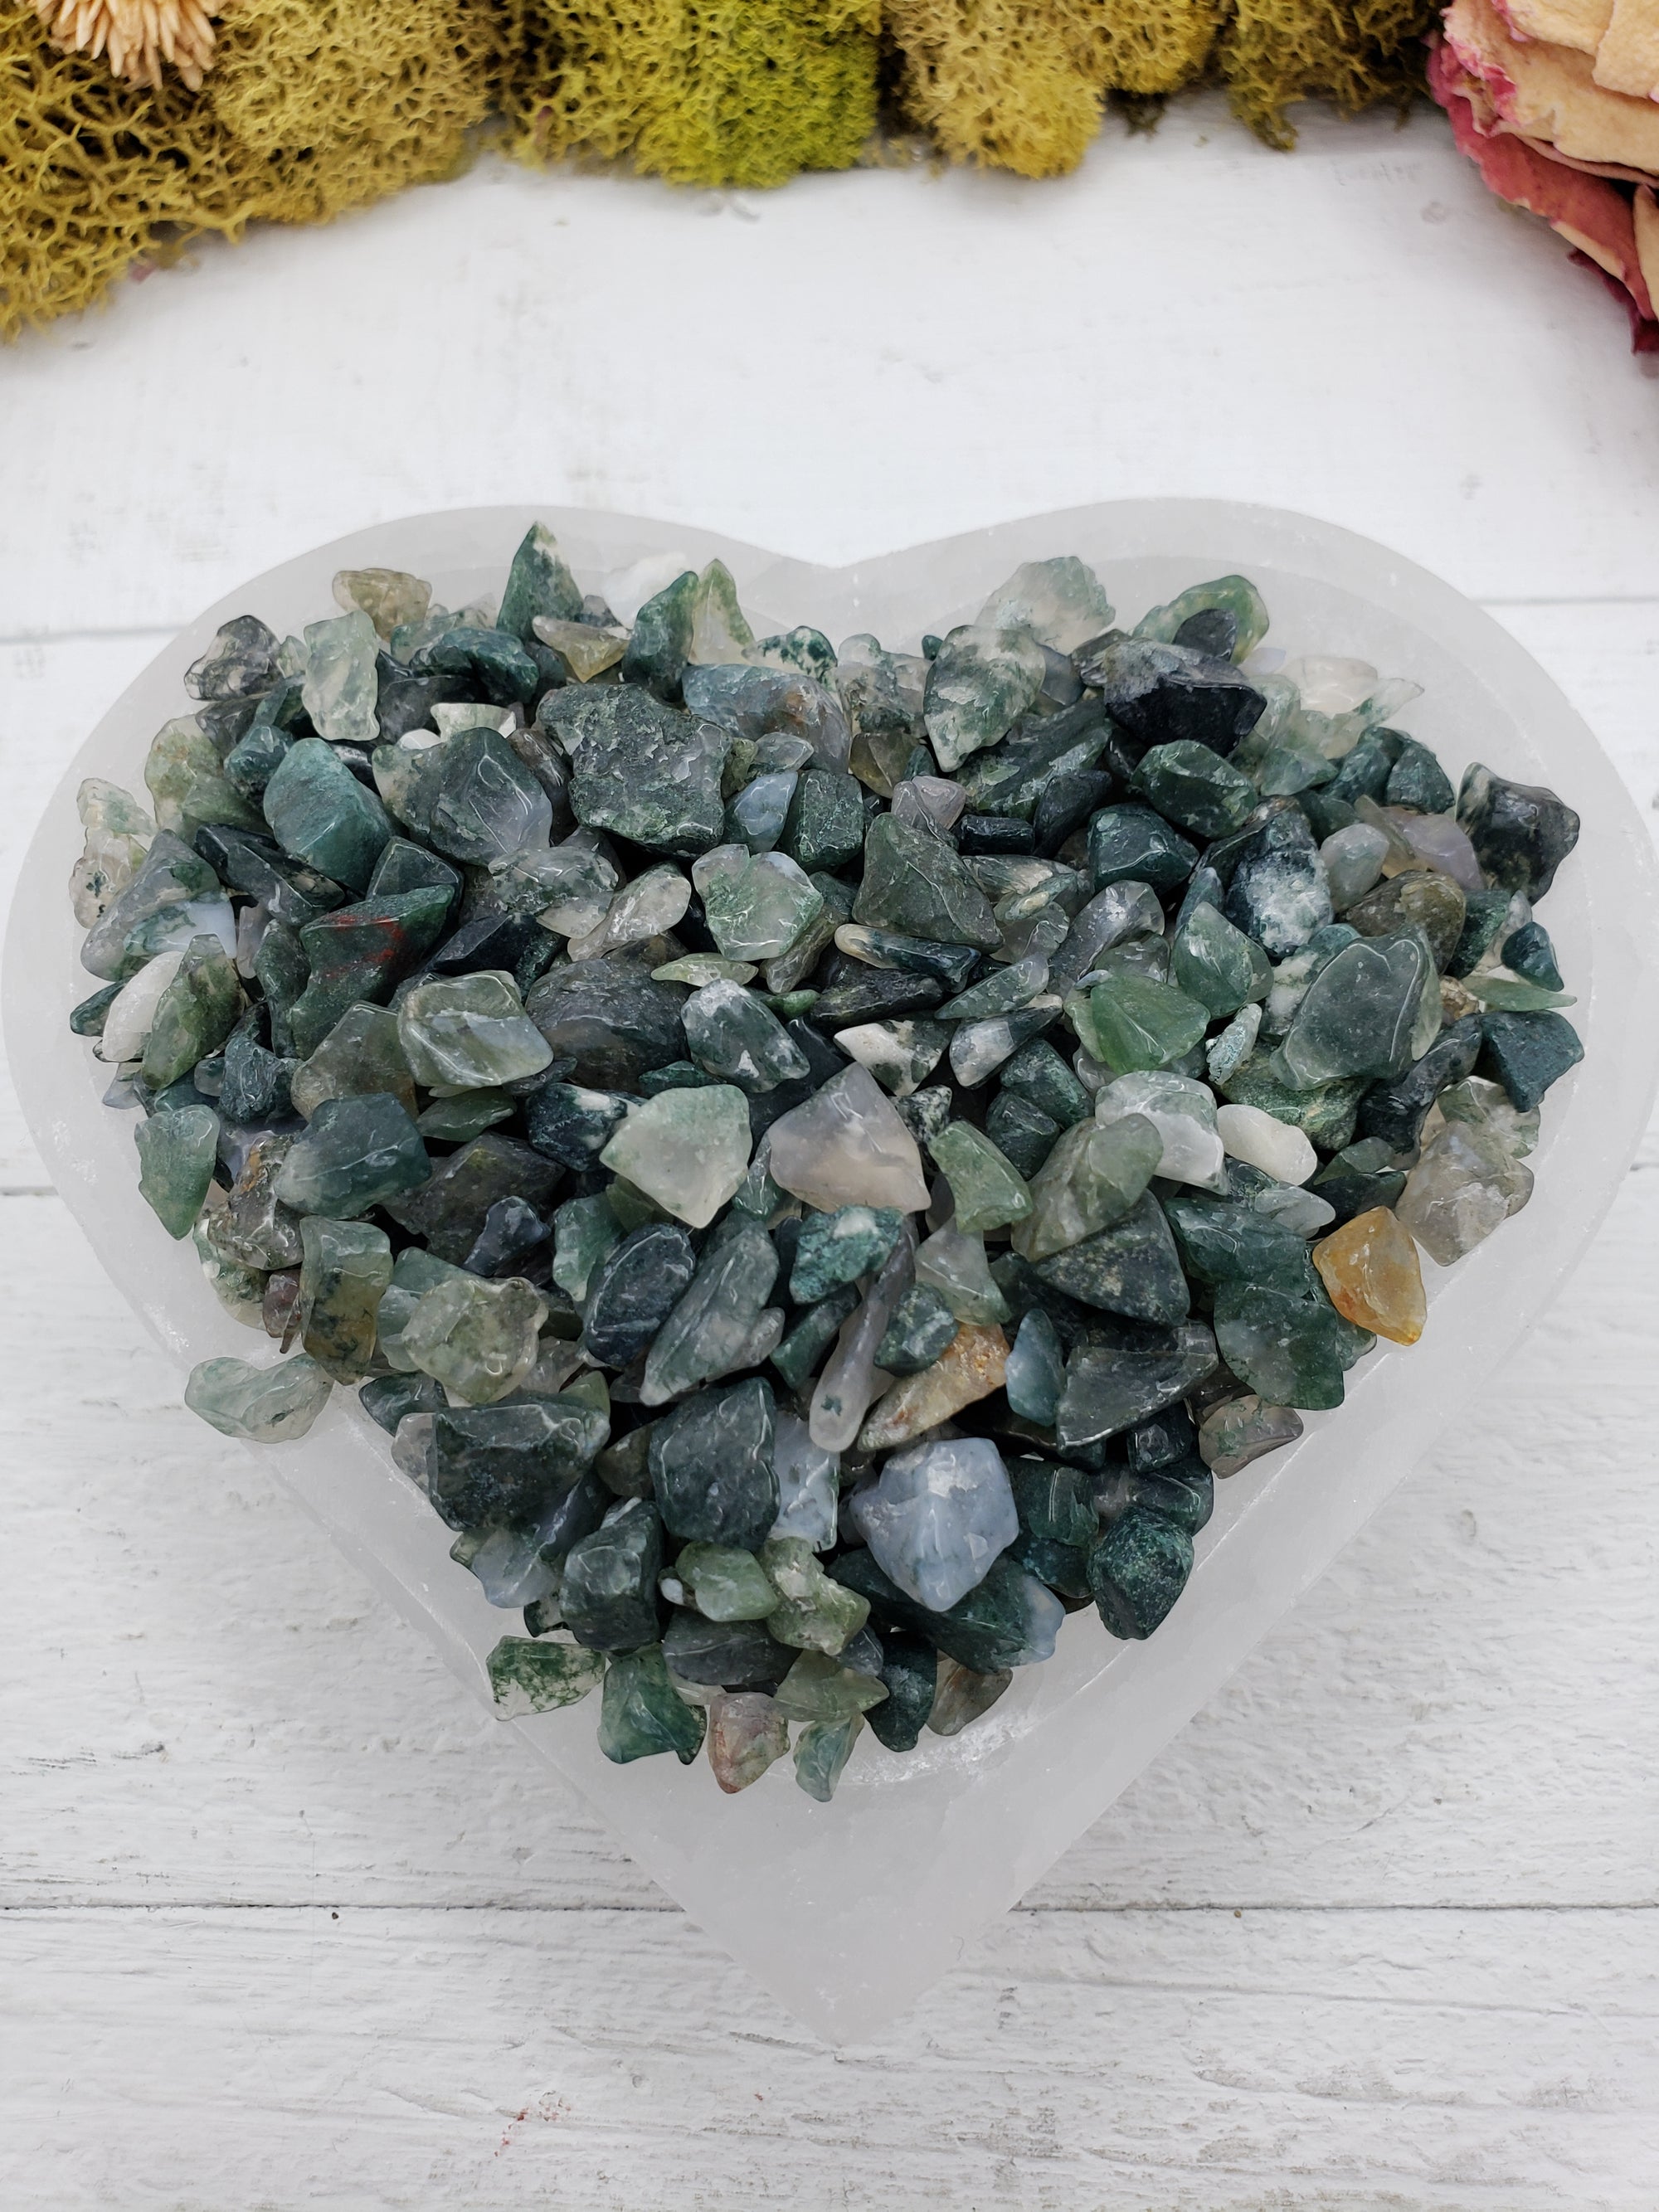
(847, 1911)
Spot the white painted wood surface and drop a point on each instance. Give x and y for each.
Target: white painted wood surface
(282, 1922)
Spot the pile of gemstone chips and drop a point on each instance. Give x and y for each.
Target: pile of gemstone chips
(817, 1157)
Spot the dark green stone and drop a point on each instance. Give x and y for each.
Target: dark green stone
(141, 921)
(641, 1713)
(573, 1125)
(1053, 1501)
(662, 638)
(320, 814)
(1138, 1570)
(1394, 1110)
(1063, 1567)
(1038, 1074)
(921, 1329)
(1526, 1052)
(1365, 770)
(610, 1017)
(1358, 1179)
(449, 1210)
(1020, 1131)
(260, 870)
(1183, 1492)
(475, 800)
(1132, 1268)
(1221, 1240)
(731, 1654)
(1013, 777)
(1158, 694)
(501, 1466)
(1528, 951)
(824, 828)
(874, 995)
(1004, 1621)
(642, 769)
(177, 1154)
(1192, 785)
(87, 1019)
(457, 1121)
(609, 1592)
(799, 1354)
(1417, 781)
(949, 964)
(403, 866)
(1325, 1113)
(255, 759)
(1486, 913)
(917, 885)
(633, 1289)
(254, 1085)
(1216, 964)
(353, 1154)
(1163, 1439)
(387, 1398)
(679, 1075)
(711, 1466)
(492, 662)
(282, 970)
(1290, 1347)
(1278, 893)
(538, 583)
(1109, 1386)
(1357, 1015)
(1133, 844)
(909, 1675)
(1521, 832)
(197, 1011)
(839, 1247)
(363, 952)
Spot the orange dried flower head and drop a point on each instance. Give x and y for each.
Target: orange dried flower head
(137, 35)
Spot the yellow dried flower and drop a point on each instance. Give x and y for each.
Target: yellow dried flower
(138, 35)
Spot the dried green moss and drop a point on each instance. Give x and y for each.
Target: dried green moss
(701, 92)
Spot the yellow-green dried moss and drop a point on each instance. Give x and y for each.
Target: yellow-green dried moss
(1277, 51)
(314, 105)
(701, 92)
(1020, 83)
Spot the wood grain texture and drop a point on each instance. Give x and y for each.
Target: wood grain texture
(283, 1921)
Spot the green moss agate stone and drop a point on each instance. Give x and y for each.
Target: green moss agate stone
(1132, 1268)
(1129, 1023)
(909, 1675)
(345, 1268)
(989, 1190)
(357, 1152)
(1111, 1386)
(1190, 785)
(797, 1359)
(641, 1713)
(916, 885)
(642, 769)
(822, 1750)
(922, 1328)
(1526, 1052)
(362, 952)
(817, 1688)
(814, 1613)
(538, 583)
(1291, 1345)
(1138, 1570)
(725, 1583)
(166, 903)
(259, 1405)
(661, 639)
(1008, 1620)
(711, 1466)
(320, 814)
(186, 776)
(537, 1675)
(197, 1011)
(1133, 843)
(501, 1466)
(1216, 964)
(837, 1247)
(177, 1154)
(824, 826)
